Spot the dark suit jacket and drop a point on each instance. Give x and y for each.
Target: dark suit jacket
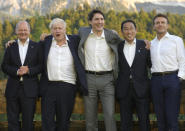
(138, 70)
(73, 46)
(11, 63)
(112, 40)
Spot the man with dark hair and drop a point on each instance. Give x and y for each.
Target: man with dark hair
(160, 15)
(91, 14)
(168, 69)
(22, 63)
(98, 53)
(132, 88)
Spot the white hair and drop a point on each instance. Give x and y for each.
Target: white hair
(20, 22)
(57, 20)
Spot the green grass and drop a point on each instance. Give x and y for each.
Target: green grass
(37, 117)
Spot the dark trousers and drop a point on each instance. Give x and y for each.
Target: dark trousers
(127, 105)
(20, 104)
(165, 92)
(57, 106)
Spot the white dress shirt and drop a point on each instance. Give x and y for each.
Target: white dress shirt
(129, 51)
(168, 54)
(60, 64)
(23, 47)
(98, 55)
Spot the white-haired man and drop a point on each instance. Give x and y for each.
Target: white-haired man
(22, 63)
(58, 82)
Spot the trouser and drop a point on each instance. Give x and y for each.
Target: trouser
(102, 86)
(130, 102)
(57, 106)
(165, 92)
(20, 104)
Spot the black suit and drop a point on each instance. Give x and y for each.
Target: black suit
(21, 95)
(132, 86)
(60, 94)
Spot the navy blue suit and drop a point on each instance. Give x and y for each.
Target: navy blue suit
(132, 87)
(81, 75)
(21, 96)
(58, 97)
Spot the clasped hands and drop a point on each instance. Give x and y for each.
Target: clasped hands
(23, 70)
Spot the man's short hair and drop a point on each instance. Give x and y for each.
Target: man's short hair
(20, 22)
(57, 20)
(126, 21)
(160, 15)
(93, 12)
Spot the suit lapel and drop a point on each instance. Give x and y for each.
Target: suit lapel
(137, 51)
(113, 46)
(85, 36)
(123, 45)
(47, 47)
(28, 54)
(16, 52)
(108, 38)
(71, 47)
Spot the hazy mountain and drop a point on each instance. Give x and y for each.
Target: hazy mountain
(162, 7)
(10, 8)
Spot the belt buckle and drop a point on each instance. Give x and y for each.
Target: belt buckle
(97, 73)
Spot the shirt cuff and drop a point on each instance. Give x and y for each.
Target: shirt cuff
(181, 75)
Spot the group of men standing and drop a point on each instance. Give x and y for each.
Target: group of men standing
(104, 66)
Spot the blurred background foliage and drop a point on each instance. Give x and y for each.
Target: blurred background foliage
(76, 18)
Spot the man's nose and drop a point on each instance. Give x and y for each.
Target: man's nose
(100, 21)
(160, 23)
(129, 31)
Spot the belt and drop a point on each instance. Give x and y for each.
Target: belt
(98, 73)
(164, 73)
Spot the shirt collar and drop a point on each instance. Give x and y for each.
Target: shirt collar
(67, 39)
(24, 44)
(65, 36)
(133, 43)
(167, 35)
(102, 34)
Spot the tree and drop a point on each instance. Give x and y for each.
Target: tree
(8, 31)
(39, 28)
(1, 36)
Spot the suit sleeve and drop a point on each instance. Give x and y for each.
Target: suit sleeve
(35, 70)
(76, 42)
(6, 65)
(149, 63)
(78, 32)
(116, 37)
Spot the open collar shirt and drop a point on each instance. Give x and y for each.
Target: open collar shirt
(98, 54)
(60, 64)
(168, 54)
